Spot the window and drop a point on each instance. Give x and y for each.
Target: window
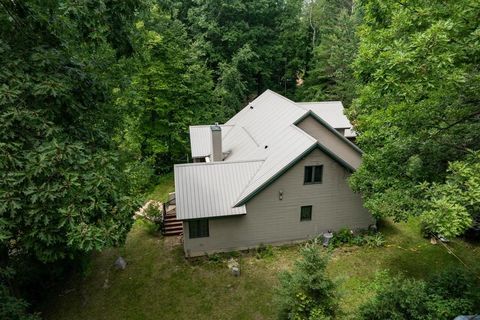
(313, 174)
(198, 228)
(306, 213)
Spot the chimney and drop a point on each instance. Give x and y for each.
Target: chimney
(217, 154)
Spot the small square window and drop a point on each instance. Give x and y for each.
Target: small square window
(313, 174)
(306, 213)
(198, 228)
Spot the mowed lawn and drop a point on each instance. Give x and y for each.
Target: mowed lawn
(159, 283)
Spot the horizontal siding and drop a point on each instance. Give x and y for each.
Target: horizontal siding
(331, 141)
(270, 220)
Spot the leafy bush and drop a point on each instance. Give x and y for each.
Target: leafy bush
(264, 251)
(346, 236)
(443, 297)
(13, 308)
(374, 240)
(342, 236)
(306, 292)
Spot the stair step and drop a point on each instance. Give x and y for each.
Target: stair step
(173, 228)
(168, 234)
(176, 226)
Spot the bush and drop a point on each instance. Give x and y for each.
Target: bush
(444, 296)
(374, 240)
(11, 307)
(342, 236)
(346, 236)
(264, 251)
(306, 292)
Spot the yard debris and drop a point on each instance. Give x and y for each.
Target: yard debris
(120, 263)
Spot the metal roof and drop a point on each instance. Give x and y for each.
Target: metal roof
(265, 129)
(204, 190)
(201, 141)
(329, 111)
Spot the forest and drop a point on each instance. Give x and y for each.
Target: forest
(96, 98)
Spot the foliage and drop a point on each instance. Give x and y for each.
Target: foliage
(62, 188)
(306, 292)
(10, 306)
(417, 110)
(330, 76)
(444, 296)
(168, 89)
(264, 251)
(451, 206)
(346, 236)
(64, 183)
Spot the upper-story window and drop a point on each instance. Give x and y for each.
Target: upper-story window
(313, 174)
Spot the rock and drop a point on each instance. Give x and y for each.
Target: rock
(120, 264)
(234, 267)
(232, 263)
(236, 271)
(105, 284)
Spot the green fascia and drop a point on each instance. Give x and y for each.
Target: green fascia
(290, 165)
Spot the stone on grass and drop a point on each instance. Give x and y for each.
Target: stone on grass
(234, 267)
(120, 264)
(236, 271)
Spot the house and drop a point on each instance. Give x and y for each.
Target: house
(275, 173)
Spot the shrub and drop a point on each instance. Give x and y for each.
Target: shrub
(264, 251)
(374, 240)
(443, 297)
(342, 236)
(306, 292)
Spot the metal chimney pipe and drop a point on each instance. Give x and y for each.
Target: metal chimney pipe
(217, 153)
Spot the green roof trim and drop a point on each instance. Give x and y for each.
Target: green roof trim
(290, 165)
(329, 127)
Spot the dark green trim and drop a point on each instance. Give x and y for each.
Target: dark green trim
(291, 164)
(329, 127)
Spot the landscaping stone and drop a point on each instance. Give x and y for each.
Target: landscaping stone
(236, 271)
(234, 267)
(120, 264)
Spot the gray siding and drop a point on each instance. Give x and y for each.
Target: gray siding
(270, 220)
(331, 141)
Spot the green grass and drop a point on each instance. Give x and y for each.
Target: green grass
(159, 283)
(163, 188)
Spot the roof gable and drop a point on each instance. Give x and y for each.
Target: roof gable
(267, 129)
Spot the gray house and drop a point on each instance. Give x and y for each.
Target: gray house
(275, 173)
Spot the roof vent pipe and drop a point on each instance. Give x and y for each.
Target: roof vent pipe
(217, 154)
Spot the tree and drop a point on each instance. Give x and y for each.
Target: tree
(443, 297)
(168, 89)
(306, 292)
(330, 74)
(418, 107)
(63, 189)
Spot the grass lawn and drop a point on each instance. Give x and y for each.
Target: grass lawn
(159, 283)
(165, 185)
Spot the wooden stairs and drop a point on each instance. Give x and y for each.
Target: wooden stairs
(172, 226)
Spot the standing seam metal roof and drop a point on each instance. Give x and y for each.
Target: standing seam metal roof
(265, 130)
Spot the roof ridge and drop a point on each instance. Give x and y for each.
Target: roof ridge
(279, 95)
(196, 164)
(325, 101)
(208, 125)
